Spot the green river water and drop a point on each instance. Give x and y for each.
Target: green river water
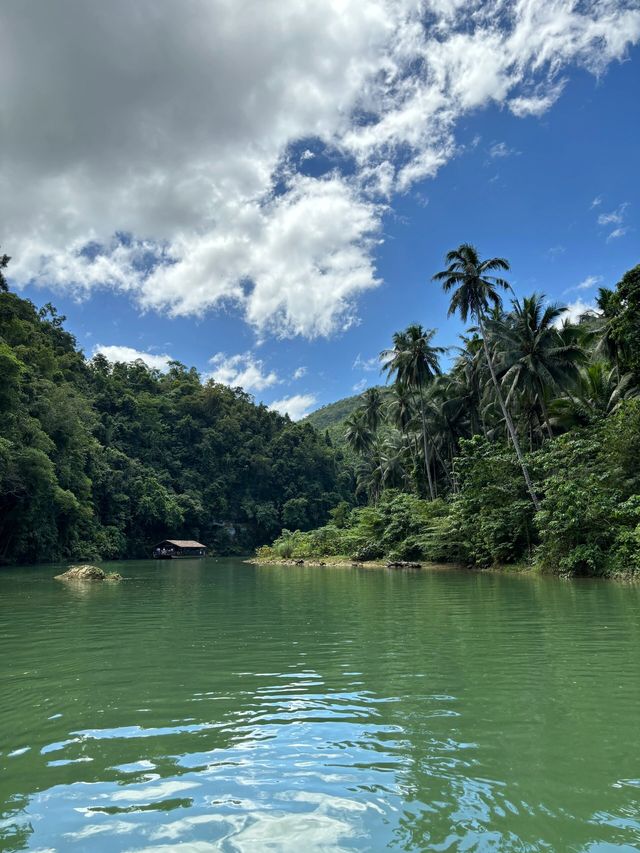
(214, 705)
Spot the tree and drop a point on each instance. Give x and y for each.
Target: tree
(474, 290)
(372, 408)
(414, 362)
(535, 360)
(4, 261)
(358, 433)
(625, 327)
(598, 393)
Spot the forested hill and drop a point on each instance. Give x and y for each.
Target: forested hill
(101, 460)
(333, 413)
(332, 417)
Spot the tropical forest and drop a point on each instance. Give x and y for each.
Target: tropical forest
(522, 453)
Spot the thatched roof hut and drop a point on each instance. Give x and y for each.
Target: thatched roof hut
(171, 548)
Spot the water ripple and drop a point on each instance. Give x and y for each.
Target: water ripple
(238, 710)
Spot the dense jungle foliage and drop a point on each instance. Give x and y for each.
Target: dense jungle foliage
(101, 460)
(527, 451)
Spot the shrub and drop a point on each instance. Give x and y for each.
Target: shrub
(491, 515)
(368, 551)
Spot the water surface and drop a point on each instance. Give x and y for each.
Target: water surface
(213, 705)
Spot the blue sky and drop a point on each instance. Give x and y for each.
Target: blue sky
(553, 186)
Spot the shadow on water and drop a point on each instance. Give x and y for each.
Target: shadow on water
(213, 705)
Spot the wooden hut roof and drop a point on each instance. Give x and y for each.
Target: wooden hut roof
(183, 543)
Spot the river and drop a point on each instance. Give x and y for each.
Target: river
(215, 705)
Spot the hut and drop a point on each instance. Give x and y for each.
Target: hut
(174, 549)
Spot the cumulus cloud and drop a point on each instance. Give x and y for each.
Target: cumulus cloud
(574, 311)
(299, 373)
(296, 406)
(359, 386)
(242, 370)
(165, 157)
(129, 354)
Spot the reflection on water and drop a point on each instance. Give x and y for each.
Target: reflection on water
(218, 706)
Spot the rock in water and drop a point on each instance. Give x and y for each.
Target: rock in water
(87, 573)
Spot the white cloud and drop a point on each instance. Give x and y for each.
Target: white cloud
(193, 162)
(296, 406)
(597, 201)
(586, 284)
(360, 386)
(366, 364)
(538, 103)
(501, 149)
(574, 311)
(299, 373)
(129, 354)
(242, 370)
(615, 217)
(616, 233)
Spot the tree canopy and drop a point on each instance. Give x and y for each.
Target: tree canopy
(103, 460)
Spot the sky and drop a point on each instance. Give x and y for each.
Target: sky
(263, 188)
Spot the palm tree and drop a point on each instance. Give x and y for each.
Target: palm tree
(535, 359)
(414, 362)
(369, 476)
(372, 408)
(475, 289)
(597, 394)
(401, 413)
(392, 460)
(466, 381)
(358, 434)
(401, 407)
(608, 345)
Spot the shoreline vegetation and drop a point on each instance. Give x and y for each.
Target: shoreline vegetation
(524, 455)
(520, 569)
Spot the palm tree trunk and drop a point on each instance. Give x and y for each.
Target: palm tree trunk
(440, 459)
(435, 477)
(426, 444)
(545, 415)
(507, 416)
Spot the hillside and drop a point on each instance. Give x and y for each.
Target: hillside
(330, 418)
(333, 413)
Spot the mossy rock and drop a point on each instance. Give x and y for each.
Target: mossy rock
(87, 573)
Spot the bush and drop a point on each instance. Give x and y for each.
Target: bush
(586, 526)
(492, 515)
(368, 551)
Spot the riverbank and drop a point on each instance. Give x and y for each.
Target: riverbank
(344, 562)
(521, 569)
